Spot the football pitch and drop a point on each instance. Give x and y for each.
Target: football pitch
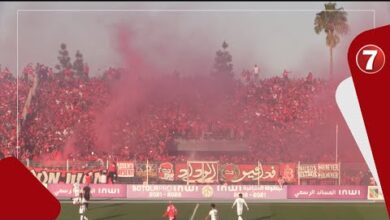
(258, 211)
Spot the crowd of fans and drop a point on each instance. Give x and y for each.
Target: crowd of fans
(279, 118)
(11, 100)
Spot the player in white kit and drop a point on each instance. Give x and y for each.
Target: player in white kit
(76, 193)
(240, 202)
(213, 214)
(83, 207)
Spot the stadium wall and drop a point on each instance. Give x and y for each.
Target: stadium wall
(221, 193)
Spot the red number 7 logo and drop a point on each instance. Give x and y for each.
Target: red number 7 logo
(370, 59)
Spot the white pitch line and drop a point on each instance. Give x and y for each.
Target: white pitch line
(193, 214)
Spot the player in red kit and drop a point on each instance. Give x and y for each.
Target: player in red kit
(171, 211)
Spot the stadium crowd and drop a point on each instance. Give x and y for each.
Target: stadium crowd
(272, 115)
(276, 117)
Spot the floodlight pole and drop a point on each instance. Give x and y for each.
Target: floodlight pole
(147, 171)
(339, 174)
(188, 174)
(299, 176)
(337, 143)
(258, 178)
(17, 152)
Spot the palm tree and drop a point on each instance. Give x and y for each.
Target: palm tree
(332, 21)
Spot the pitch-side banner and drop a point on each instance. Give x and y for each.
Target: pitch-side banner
(327, 192)
(98, 191)
(204, 192)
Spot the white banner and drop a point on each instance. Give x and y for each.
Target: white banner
(319, 171)
(125, 169)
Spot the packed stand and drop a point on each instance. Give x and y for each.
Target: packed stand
(275, 116)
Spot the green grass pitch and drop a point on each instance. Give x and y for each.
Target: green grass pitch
(260, 211)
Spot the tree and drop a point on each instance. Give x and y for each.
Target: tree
(64, 59)
(78, 65)
(222, 63)
(333, 22)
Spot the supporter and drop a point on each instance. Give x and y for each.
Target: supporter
(88, 179)
(274, 116)
(112, 174)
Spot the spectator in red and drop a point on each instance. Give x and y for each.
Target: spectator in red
(265, 114)
(112, 173)
(88, 179)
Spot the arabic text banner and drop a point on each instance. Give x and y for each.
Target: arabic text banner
(98, 191)
(205, 192)
(236, 173)
(213, 172)
(198, 172)
(327, 192)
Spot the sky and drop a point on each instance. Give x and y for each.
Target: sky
(275, 38)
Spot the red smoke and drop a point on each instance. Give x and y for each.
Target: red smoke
(141, 84)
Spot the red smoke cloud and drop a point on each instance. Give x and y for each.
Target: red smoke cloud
(142, 84)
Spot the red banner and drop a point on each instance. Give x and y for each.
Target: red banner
(289, 172)
(198, 172)
(236, 173)
(210, 172)
(166, 171)
(180, 171)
